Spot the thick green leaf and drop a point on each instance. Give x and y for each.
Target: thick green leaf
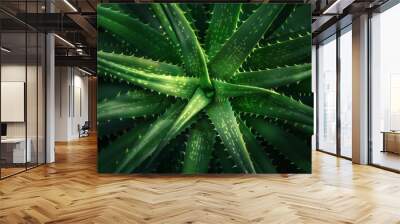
(271, 98)
(114, 127)
(199, 148)
(299, 129)
(147, 144)
(293, 51)
(142, 12)
(247, 10)
(143, 37)
(261, 161)
(272, 78)
(240, 45)
(279, 20)
(291, 146)
(302, 88)
(107, 89)
(223, 118)
(192, 53)
(143, 64)
(298, 22)
(166, 25)
(224, 89)
(266, 102)
(223, 24)
(111, 155)
(187, 12)
(198, 101)
(171, 159)
(303, 128)
(199, 16)
(222, 161)
(130, 105)
(300, 91)
(275, 106)
(170, 85)
(112, 43)
(166, 141)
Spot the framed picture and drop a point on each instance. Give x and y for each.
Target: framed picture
(190, 88)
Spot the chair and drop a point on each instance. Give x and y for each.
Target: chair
(84, 130)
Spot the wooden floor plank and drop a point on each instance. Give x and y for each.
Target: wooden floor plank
(71, 191)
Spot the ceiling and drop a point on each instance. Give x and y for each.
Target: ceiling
(75, 22)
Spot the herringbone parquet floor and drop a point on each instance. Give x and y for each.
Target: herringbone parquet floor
(70, 191)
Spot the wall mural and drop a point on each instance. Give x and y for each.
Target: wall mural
(204, 88)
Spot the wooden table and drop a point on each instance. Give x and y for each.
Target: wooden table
(391, 141)
(14, 150)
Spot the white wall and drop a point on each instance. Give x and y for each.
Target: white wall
(81, 88)
(16, 73)
(13, 72)
(13, 101)
(70, 83)
(62, 81)
(33, 127)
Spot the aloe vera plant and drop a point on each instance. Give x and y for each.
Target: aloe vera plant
(204, 88)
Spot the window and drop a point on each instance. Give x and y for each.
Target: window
(346, 92)
(327, 95)
(385, 89)
(22, 76)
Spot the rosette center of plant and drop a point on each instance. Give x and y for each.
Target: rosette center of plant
(210, 93)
